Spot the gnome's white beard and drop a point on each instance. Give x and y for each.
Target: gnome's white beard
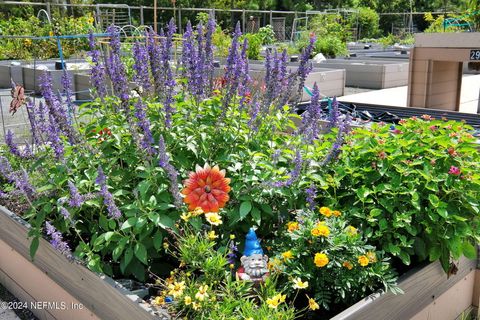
(256, 271)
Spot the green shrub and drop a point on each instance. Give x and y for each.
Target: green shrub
(412, 189)
(266, 34)
(254, 46)
(367, 21)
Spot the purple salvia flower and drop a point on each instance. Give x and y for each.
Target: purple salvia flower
(64, 212)
(142, 75)
(155, 57)
(294, 174)
(32, 118)
(200, 60)
(58, 116)
(144, 125)
(56, 240)
(97, 73)
(53, 136)
(171, 172)
(6, 169)
(311, 195)
(311, 117)
(188, 57)
(76, 199)
(23, 184)
(27, 152)
(67, 91)
(253, 122)
(169, 81)
(304, 67)
(116, 69)
(232, 252)
(334, 114)
(276, 156)
(343, 128)
(234, 67)
(209, 69)
(244, 87)
(108, 201)
(12, 146)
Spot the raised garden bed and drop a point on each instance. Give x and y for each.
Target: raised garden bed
(371, 74)
(72, 291)
(32, 74)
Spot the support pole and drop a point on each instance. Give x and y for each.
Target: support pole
(155, 16)
(142, 22)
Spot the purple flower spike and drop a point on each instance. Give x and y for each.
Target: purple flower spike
(65, 213)
(76, 199)
(311, 117)
(171, 172)
(142, 74)
(295, 174)
(56, 240)
(311, 195)
(144, 125)
(108, 201)
(9, 140)
(116, 69)
(97, 73)
(304, 67)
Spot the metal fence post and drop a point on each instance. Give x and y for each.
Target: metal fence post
(49, 10)
(180, 20)
(243, 21)
(142, 22)
(271, 18)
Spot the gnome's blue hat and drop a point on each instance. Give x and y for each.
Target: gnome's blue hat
(252, 245)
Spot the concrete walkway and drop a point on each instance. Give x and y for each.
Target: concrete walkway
(6, 314)
(398, 96)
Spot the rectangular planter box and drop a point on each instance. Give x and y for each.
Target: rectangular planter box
(82, 86)
(371, 74)
(10, 71)
(61, 289)
(429, 294)
(32, 76)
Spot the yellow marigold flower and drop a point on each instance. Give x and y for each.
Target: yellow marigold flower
(211, 235)
(186, 216)
(213, 218)
(292, 226)
(276, 300)
(27, 42)
(287, 255)
(299, 284)
(312, 304)
(159, 301)
(363, 261)
(202, 293)
(196, 212)
(325, 211)
(348, 265)
(165, 245)
(336, 213)
(320, 260)
(352, 231)
(320, 230)
(232, 237)
(372, 257)
(187, 300)
(176, 288)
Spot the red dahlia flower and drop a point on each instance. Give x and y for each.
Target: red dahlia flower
(206, 188)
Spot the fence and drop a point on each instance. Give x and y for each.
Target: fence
(285, 23)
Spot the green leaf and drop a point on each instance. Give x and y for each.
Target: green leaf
(435, 253)
(141, 253)
(442, 212)
(34, 247)
(469, 250)
(256, 215)
(165, 222)
(433, 200)
(245, 208)
(127, 258)
(375, 212)
(363, 193)
(157, 240)
(419, 247)
(129, 223)
(405, 257)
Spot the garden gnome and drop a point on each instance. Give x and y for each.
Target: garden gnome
(254, 262)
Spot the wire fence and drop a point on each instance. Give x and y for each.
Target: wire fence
(285, 23)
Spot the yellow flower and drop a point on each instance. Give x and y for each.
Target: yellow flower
(50, 33)
(232, 237)
(320, 230)
(352, 231)
(348, 265)
(372, 257)
(325, 211)
(276, 300)
(274, 264)
(196, 306)
(27, 42)
(214, 218)
(159, 301)
(320, 260)
(211, 235)
(312, 304)
(202, 293)
(196, 212)
(363, 261)
(165, 245)
(90, 20)
(231, 266)
(287, 255)
(187, 300)
(336, 213)
(299, 284)
(176, 288)
(186, 216)
(292, 226)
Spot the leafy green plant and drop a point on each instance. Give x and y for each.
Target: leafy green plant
(321, 255)
(266, 34)
(413, 189)
(367, 22)
(254, 46)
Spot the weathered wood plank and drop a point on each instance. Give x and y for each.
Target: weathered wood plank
(99, 296)
(421, 287)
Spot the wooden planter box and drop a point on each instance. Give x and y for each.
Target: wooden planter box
(58, 288)
(371, 74)
(428, 295)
